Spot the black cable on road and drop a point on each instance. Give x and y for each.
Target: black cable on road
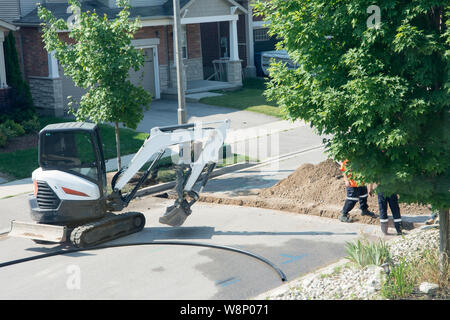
(177, 243)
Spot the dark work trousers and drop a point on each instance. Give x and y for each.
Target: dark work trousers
(393, 204)
(354, 195)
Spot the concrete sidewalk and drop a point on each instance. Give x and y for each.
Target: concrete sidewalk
(17, 187)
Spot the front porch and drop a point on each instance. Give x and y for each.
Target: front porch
(226, 63)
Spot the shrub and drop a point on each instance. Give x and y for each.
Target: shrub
(32, 125)
(3, 139)
(428, 269)
(363, 253)
(12, 129)
(22, 101)
(400, 281)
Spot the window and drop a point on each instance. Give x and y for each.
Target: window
(261, 34)
(69, 151)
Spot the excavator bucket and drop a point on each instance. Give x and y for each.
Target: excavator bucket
(37, 231)
(174, 216)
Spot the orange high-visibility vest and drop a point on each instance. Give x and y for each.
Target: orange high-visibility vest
(353, 183)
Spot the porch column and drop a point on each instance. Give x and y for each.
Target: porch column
(234, 47)
(234, 65)
(250, 69)
(3, 83)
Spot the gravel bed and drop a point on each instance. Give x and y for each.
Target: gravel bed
(345, 282)
(412, 245)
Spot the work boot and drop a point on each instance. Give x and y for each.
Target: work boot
(367, 213)
(384, 227)
(398, 227)
(344, 217)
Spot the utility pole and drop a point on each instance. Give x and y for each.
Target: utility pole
(182, 113)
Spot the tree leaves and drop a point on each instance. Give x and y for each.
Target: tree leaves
(383, 93)
(98, 57)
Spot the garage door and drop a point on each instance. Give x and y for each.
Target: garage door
(146, 75)
(69, 88)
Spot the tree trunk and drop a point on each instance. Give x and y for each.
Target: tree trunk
(119, 162)
(444, 243)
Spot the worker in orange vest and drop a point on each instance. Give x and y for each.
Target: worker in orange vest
(355, 193)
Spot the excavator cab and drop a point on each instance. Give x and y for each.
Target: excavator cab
(70, 185)
(75, 148)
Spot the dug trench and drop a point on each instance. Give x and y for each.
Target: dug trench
(313, 190)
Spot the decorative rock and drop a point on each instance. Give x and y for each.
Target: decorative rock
(428, 288)
(377, 277)
(371, 290)
(354, 283)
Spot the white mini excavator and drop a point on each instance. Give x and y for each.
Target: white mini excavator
(71, 202)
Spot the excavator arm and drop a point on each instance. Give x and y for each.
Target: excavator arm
(210, 136)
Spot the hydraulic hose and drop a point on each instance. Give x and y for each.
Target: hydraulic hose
(177, 243)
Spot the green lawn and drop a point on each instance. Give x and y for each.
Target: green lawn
(249, 98)
(19, 164)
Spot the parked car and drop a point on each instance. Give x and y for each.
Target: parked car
(277, 55)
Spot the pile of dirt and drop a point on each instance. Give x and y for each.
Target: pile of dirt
(310, 185)
(312, 189)
(323, 184)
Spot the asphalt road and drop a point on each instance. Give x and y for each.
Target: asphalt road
(297, 244)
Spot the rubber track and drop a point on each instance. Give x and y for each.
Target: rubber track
(109, 221)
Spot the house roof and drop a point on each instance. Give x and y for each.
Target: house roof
(7, 26)
(59, 10)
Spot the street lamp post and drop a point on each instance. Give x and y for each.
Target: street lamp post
(182, 113)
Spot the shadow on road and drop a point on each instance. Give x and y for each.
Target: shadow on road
(160, 233)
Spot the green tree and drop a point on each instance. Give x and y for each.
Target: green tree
(377, 83)
(98, 57)
(22, 102)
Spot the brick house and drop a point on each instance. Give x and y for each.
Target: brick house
(49, 86)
